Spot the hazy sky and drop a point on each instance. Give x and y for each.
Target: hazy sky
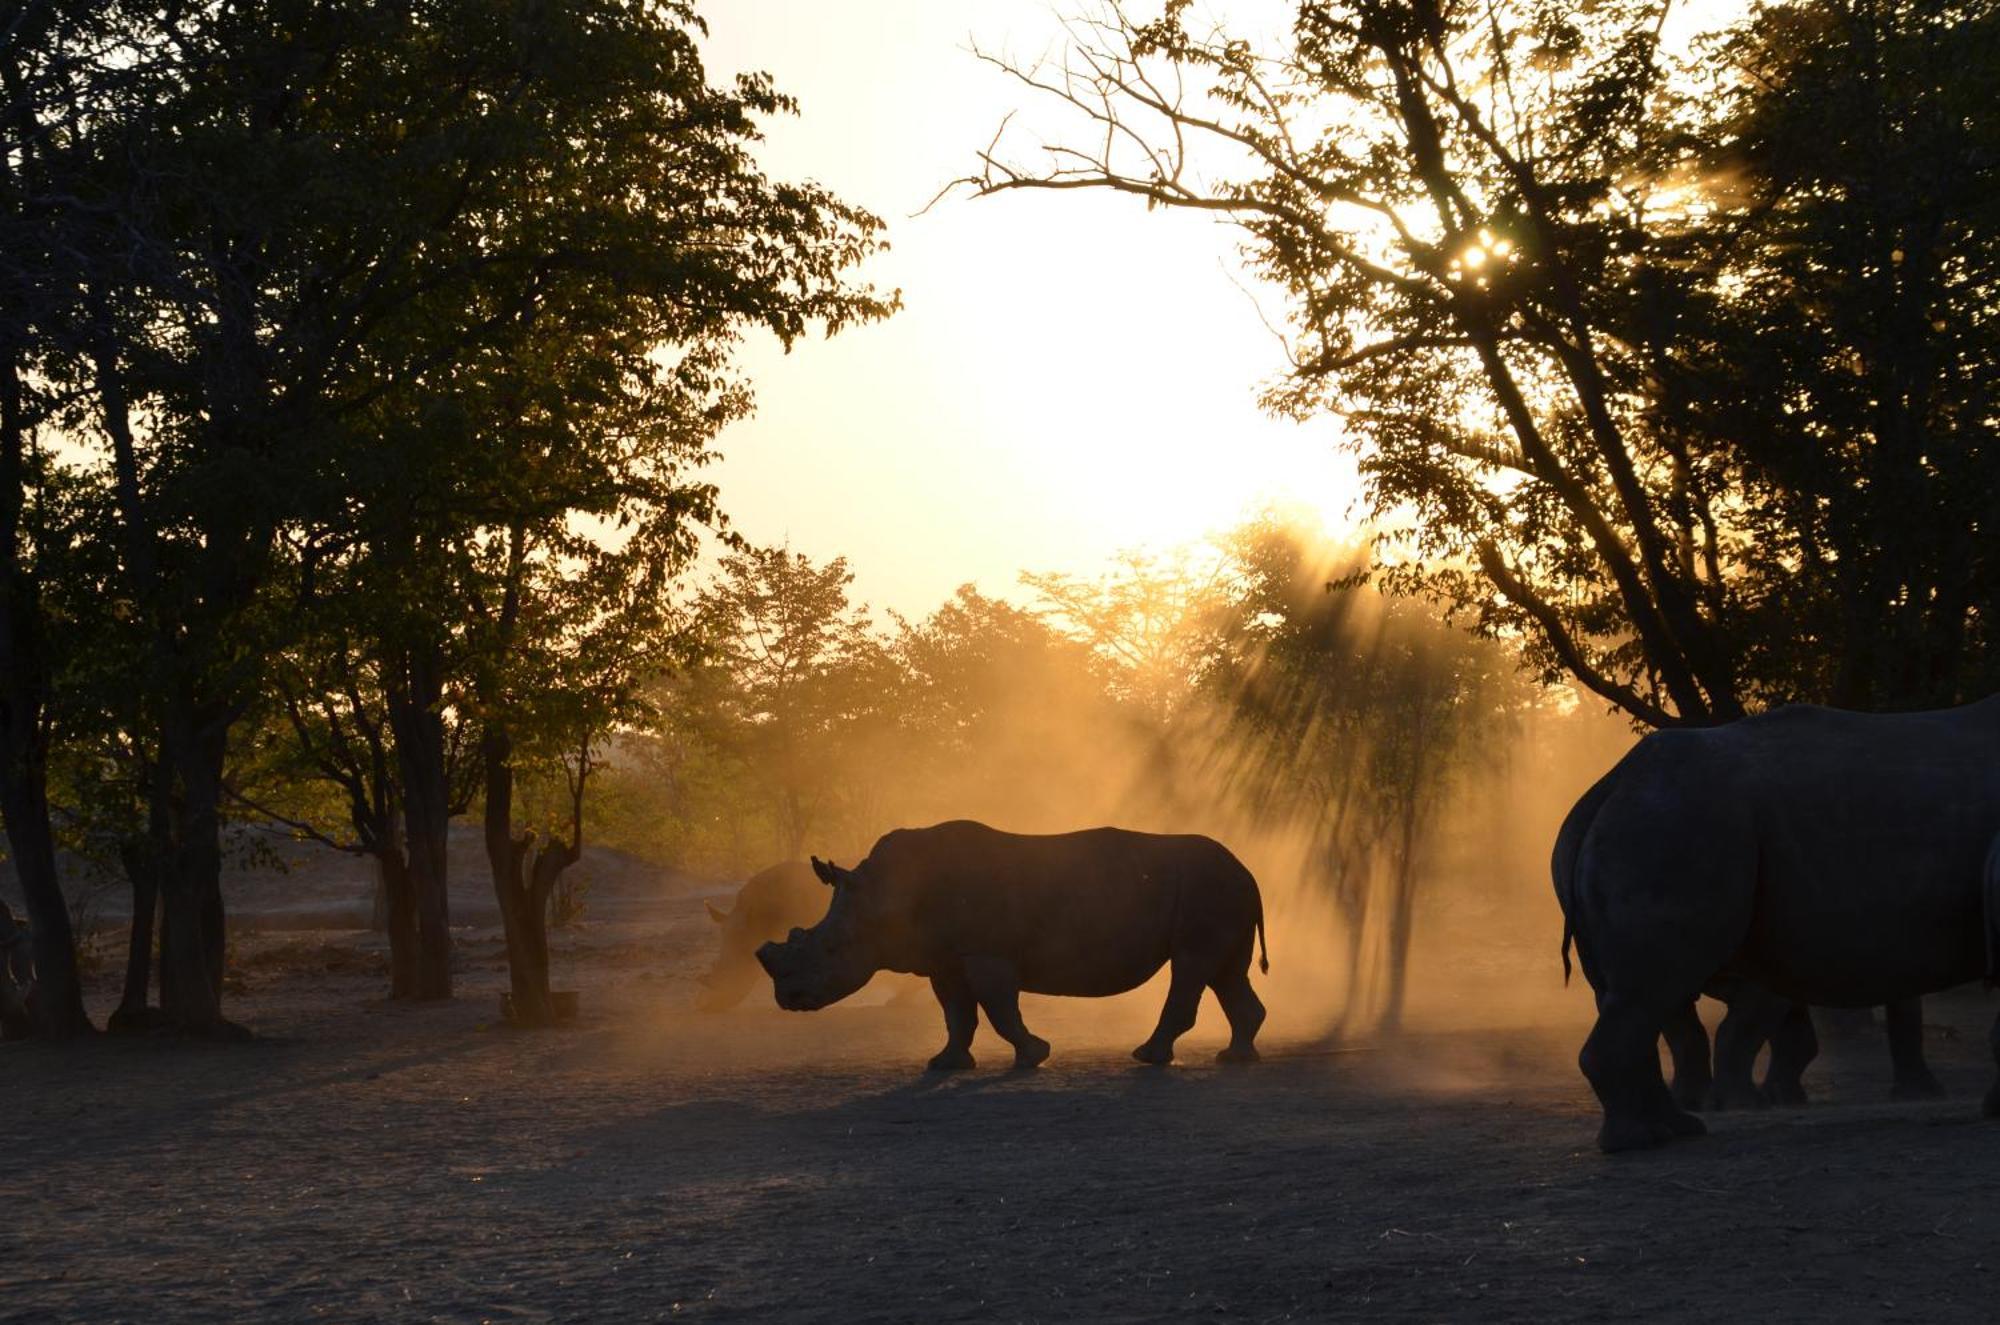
(1071, 375)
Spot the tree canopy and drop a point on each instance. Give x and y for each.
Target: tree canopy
(1642, 364)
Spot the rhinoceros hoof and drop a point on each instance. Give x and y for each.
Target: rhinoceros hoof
(951, 1060)
(1722, 1098)
(1033, 1055)
(1786, 1095)
(1232, 1054)
(1632, 1134)
(1925, 1087)
(1693, 1098)
(1680, 1124)
(1152, 1053)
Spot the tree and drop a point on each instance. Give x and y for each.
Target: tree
(794, 680)
(52, 77)
(567, 653)
(995, 710)
(1360, 718)
(323, 763)
(1843, 352)
(1497, 233)
(1155, 621)
(309, 255)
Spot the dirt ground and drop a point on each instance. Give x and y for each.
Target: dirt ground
(363, 1161)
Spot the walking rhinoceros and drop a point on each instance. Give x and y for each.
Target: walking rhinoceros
(987, 915)
(1831, 858)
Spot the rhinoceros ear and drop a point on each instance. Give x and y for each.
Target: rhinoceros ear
(716, 913)
(826, 871)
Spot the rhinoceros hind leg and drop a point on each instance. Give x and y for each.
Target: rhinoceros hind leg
(1755, 1017)
(1246, 1016)
(1794, 1045)
(1670, 1119)
(1621, 1059)
(1913, 1079)
(1687, 1042)
(1176, 1016)
(997, 986)
(961, 1019)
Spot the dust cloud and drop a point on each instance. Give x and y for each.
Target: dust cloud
(1393, 783)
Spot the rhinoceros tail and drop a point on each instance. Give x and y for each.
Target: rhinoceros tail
(1563, 863)
(1263, 952)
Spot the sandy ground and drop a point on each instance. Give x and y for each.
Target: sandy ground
(362, 1161)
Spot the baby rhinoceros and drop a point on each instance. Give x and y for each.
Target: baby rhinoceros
(986, 915)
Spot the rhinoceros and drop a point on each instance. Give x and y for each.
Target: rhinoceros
(987, 915)
(1832, 858)
(1756, 1017)
(768, 905)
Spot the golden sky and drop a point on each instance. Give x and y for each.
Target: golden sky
(1071, 376)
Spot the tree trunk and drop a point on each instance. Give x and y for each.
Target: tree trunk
(513, 888)
(144, 858)
(398, 907)
(24, 799)
(1402, 918)
(188, 852)
(142, 871)
(523, 880)
(16, 977)
(1413, 812)
(58, 1002)
(192, 933)
(415, 694)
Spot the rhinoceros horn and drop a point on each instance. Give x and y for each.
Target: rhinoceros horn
(828, 872)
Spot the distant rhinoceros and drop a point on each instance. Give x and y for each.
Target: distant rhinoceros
(1831, 858)
(987, 915)
(768, 906)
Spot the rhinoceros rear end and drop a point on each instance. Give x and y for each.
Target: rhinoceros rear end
(986, 915)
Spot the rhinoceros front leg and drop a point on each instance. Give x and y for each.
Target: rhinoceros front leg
(1913, 1079)
(997, 986)
(961, 1019)
(1176, 1016)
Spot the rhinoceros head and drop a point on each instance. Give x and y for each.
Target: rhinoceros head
(824, 964)
(725, 983)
